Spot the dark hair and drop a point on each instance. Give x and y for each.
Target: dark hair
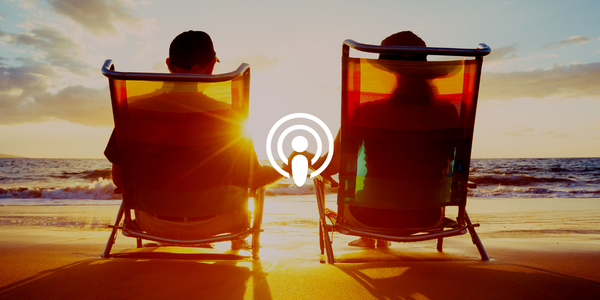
(403, 38)
(191, 48)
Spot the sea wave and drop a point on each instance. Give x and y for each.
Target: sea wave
(99, 189)
(87, 174)
(531, 192)
(74, 180)
(517, 180)
(102, 189)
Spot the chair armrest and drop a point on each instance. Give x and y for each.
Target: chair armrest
(328, 180)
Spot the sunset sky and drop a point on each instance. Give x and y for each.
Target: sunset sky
(540, 89)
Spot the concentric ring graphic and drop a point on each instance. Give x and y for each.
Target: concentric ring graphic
(304, 128)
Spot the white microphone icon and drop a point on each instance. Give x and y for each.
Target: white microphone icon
(299, 163)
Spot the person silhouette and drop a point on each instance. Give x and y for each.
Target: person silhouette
(192, 52)
(398, 160)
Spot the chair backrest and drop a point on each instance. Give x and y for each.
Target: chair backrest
(180, 139)
(407, 127)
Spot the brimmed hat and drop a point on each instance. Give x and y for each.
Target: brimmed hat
(403, 38)
(191, 48)
(415, 65)
(417, 69)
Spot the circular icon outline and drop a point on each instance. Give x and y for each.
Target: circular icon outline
(300, 116)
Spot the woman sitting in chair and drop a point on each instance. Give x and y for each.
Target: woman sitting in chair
(384, 161)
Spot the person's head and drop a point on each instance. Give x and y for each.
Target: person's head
(192, 52)
(403, 38)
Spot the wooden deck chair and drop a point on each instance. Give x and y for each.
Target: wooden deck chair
(406, 135)
(184, 157)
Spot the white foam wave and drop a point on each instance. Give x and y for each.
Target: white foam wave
(100, 189)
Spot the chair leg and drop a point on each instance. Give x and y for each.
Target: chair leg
(321, 238)
(440, 244)
(257, 222)
(113, 234)
(328, 247)
(139, 243)
(320, 193)
(256, 244)
(475, 239)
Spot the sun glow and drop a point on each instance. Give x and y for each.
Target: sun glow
(251, 206)
(251, 128)
(246, 129)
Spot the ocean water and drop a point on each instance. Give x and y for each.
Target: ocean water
(28, 181)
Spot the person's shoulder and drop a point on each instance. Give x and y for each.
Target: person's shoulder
(374, 105)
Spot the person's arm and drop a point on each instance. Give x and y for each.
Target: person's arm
(112, 154)
(264, 175)
(116, 178)
(332, 168)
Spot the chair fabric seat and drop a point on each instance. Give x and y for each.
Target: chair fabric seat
(193, 228)
(390, 220)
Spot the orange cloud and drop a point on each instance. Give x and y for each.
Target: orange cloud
(579, 39)
(98, 17)
(522, 130)
(50, 45)
(501, 54)
(24, 98)
(577, 80)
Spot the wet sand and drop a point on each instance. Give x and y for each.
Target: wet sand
(539, 249)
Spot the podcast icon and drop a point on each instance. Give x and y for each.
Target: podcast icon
(299, 164)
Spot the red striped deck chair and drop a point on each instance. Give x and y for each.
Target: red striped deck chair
(184, 157)
(406, 134)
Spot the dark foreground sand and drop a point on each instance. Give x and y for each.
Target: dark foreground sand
(540, 249)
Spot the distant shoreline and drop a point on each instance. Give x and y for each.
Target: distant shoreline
(10, 156)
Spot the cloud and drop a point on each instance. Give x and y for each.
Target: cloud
(48, 55)
(577, 80)
(26, 80)
(97, 16)
(77, 104)
(144, 50)
(160, 67)
(26, 4)
(51, 45)
(258, 63)
(554, 134)
(502, 53)
(520, 130)
(595, 126)
(525, 131)
(579, 39)
(24, 98)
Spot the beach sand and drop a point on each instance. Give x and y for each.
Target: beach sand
(539, 249)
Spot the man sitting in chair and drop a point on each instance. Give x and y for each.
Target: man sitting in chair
(389, 160)
(191, 52)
